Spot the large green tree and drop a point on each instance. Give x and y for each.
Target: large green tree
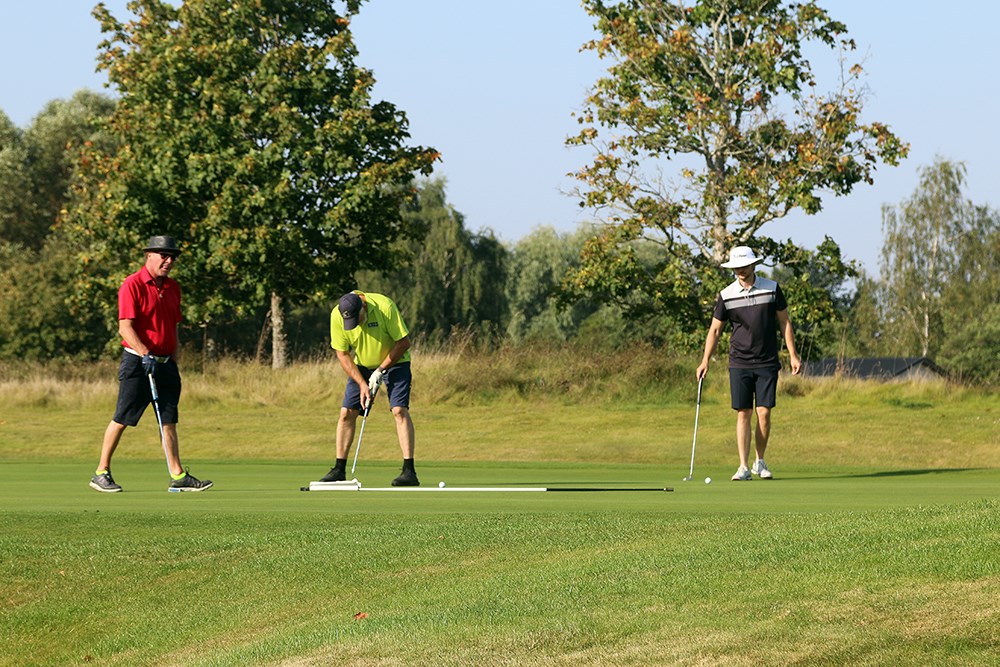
(36, 164)
(940, 273)
(16, 202)
(971, 348)
(540, 310)
(819, 297)
(708, 126)
(446, 278)
(248, 130)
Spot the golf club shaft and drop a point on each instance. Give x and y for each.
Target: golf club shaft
(159, 419)
(364, 420)
(694, 439)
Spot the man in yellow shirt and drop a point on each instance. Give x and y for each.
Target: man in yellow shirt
(373, 347)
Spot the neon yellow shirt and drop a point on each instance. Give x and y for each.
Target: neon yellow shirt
(372, 339)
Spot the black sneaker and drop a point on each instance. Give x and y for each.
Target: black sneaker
(335, 475)
(188, 483)
(406, 478)
(104, 483)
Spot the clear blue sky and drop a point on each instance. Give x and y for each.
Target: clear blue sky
(493, 86)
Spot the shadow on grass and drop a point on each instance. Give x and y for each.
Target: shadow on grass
(601, 482)
(904, 473)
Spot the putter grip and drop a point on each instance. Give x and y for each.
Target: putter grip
(372, 402)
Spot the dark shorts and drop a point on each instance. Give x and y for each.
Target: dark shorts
(748, 384)
(395, 384)
(134, 394)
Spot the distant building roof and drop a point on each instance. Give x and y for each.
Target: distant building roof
(881, 368)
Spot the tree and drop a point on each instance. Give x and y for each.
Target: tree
(721, 92)
(539, 263)
(920, 254)
(447, 278)
(939, 277)
(974, 286)
(35, 321)
(971, 346)
(36, 165)
(973, 350)
(818, 297)
(940, 274)
(16, 203)
(860, 332)
(247, 130)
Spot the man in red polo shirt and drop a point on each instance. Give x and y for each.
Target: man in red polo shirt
(149, 311)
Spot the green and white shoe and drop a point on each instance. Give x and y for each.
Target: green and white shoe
(188, 483)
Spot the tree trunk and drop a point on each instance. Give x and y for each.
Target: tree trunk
(720, 251)
(265, 334)
(925, 332)
(207, 346)
(720, 227)
(279, 343)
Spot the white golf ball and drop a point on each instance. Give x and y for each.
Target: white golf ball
(440, 485)
(708, 480)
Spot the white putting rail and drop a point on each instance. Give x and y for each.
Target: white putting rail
(349, 486)
(354, 485)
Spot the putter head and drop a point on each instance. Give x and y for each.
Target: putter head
(688, 478)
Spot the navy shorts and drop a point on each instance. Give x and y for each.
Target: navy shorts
(753, 385)
(134, 394)
(395, 384)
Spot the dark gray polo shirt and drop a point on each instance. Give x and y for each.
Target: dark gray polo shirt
(752, 312)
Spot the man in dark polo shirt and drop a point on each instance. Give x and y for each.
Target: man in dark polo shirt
(149, 312)
(757, 310)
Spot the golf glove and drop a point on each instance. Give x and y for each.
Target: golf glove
(148, 364)
(374, 380)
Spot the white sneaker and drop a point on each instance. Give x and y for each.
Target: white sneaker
(760, 468)
(742, 475)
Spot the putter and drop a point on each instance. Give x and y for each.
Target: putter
(357, 448)
(694, 440)
(159, 420)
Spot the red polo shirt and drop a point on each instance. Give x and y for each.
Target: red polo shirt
(155, 311)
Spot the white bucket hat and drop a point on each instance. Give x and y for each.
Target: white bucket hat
(741, 256)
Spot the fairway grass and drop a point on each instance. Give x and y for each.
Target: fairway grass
(840, 567)
(875, 544)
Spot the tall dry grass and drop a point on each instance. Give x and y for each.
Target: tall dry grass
(555, 403)
(465, 375)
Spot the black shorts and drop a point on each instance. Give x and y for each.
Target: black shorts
(395, 384)
(750, 386)
(134, 393)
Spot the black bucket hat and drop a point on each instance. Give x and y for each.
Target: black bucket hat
(162, 244)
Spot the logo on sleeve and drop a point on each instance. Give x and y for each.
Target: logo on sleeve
(372, 324)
